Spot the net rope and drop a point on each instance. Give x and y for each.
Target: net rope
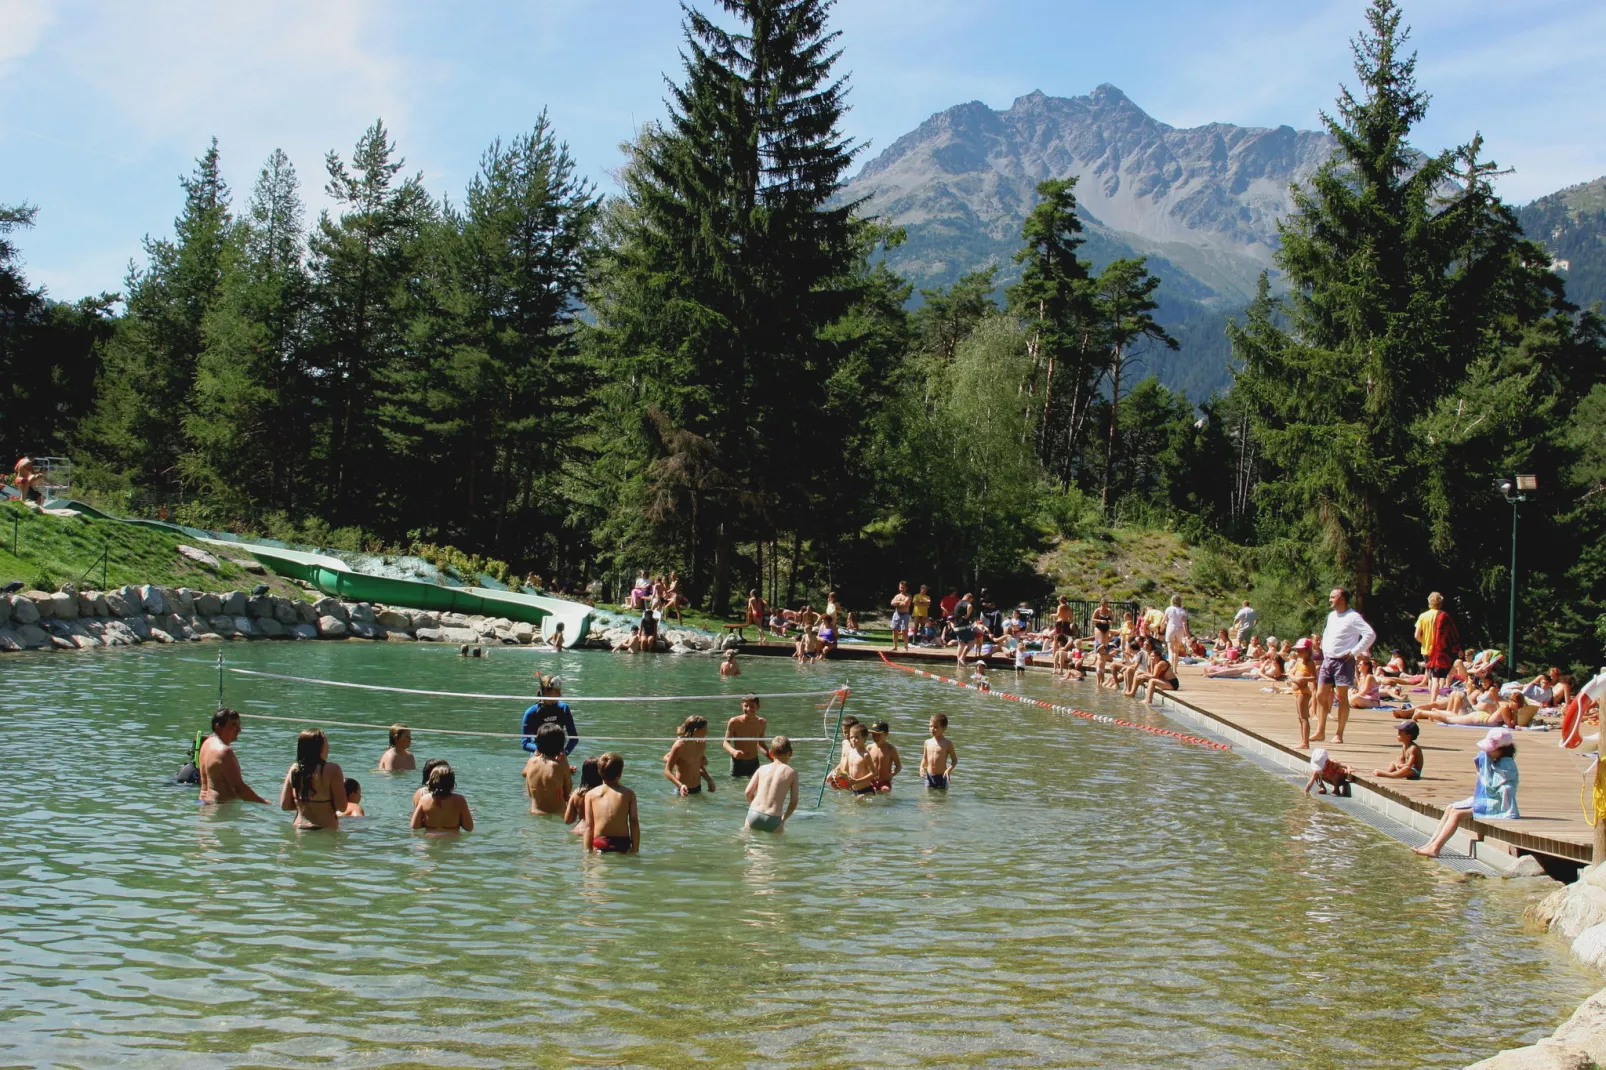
(587, 738)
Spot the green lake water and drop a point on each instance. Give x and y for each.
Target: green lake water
(1085, 895)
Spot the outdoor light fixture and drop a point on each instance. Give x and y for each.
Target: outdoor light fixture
(1527, 482)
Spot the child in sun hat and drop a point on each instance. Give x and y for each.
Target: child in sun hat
(1408, 766)
(1494, 793)
(1324, 771)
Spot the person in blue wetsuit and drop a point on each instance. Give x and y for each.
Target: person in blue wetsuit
(550, 711)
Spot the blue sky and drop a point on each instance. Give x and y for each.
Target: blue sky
(106, 104)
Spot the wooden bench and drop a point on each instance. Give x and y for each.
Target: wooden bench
(736, 628)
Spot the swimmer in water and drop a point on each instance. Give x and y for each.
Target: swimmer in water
(547, 776)
(772, 792)
(221, 780)
(857, 766)
(741, 738)
(728, 667)
(442, 809)
(574, 811)
(938, 757)
(686, 764)
(398, 758)
(314, 787)
(556, 639)
(884, 756)
(429, 767)
(353, 800)
(611, 824)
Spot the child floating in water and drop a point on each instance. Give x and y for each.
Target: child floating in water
(686, 764)
(611, 825)
(442, 809)
(1408, 766)
(728, 667)
(772, 792)
(938, 757)
(884, 756)
(574, 811)
(547, 776)
(1324, 771)
(353, 800)
(398, 758)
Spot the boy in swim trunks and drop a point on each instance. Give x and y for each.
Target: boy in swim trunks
(611, 825)
(686, 764)
(741, 738)
(901, 605)
(398, 758)
(548, 778)
(839, 776)
(884, 756)
(938, 757)
(772, 793)
(857, 767)
(1408, 766)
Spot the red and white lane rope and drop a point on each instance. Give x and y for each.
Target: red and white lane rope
(1198, 741)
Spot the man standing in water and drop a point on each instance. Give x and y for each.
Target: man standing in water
(221, 780)
(550, 710)
(1346, 635)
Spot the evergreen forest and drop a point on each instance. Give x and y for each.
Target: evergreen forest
(713, 371)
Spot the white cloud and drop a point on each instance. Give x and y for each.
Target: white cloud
(22, 23)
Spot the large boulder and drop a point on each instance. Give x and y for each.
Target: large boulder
(259, 606)
(153, 600)
(396, 635)
(183, 602)
(9, 640)
(423, 619)
(64, 605)
(120, 605)
(302, 631)
(523, 631)
(244, 626)
(115, 632)
(306, 613)
(429, 635)
(1545, 1055)
(485, 628)
(32, 637)
(284, 610)
(44, 603)
(159, 635)
(331, 627)
(269, 628)
(1586, 1029)
(5, 609)
(86, 605)
(363, 629)
(460, 635)
(221, 625)
(137, 624)
(208, 605)
(329, 607)
(200, 557)
(1583, 906)
(393, 620)
(359, 611)
(234, 604)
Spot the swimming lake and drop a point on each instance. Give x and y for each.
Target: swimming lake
(1084, 896)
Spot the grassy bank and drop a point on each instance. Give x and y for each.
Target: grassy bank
(52, 550)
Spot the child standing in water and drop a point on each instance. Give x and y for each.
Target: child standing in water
(611, 825)
(839, 775)
(442, 809)
(429, 767)
(938, 757)
(547, 776)
(353, 800)
(728, 667)
(772, 792)
(884, 756)
(686, 764)
(742, 734)
(857, 767)
(398, 758)
(574, 811)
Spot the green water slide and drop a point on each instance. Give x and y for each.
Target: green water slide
(334, 577)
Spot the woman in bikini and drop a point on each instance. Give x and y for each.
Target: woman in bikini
(314, 787)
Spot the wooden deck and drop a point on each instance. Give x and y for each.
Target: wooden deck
(1548, 794)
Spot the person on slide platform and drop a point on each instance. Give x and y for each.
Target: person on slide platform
(550, 710)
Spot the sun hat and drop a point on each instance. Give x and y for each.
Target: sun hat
(1303, 643)
(1496, 738)
(1318, 759)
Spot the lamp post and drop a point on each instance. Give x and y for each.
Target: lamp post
(1516, 493)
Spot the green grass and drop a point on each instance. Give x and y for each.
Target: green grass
(52, 550)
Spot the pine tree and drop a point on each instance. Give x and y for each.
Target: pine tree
(732, 260)
(945, 317)
(249, 422)
(364, 300)
(149, 369)
(1124, 305)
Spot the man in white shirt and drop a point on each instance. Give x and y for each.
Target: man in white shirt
(1243, 623)
(1346, 635)
(1176, 627)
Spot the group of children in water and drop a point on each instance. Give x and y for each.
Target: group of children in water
(602, 810)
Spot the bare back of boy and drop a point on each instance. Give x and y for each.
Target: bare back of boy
(610, 823)
(547, 781)
(774, 789)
